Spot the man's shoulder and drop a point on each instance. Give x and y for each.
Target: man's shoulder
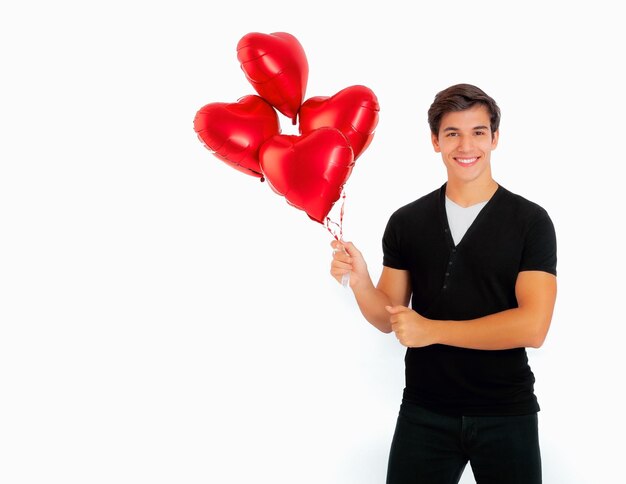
(422, 205)
(520, 204)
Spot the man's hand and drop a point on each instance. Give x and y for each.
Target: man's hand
(348, 259)
(411, 329)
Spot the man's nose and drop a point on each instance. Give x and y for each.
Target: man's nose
(465, 143)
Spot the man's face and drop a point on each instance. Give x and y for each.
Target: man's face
(465, 142)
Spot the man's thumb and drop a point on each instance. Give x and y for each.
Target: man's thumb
(395, 309)
(350, 248)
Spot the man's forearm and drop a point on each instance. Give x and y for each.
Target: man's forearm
(513, 328)
(372, 304)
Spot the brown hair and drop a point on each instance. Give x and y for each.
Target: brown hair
(459, 98)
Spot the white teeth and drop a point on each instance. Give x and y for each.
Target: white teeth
(466, 161)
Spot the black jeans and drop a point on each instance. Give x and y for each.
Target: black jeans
(429, 448)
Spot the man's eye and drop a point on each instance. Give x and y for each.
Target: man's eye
(449, 135)
(479, 133)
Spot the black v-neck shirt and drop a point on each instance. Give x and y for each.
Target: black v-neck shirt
(466, 281)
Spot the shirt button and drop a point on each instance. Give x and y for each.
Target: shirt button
(445, 286)
(447, 274)
(454, 250)
(450, 263)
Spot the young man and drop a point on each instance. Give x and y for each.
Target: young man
(478, 264)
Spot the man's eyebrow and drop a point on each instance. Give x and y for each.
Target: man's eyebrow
(452, 128)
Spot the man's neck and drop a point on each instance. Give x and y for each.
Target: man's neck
(468, 194)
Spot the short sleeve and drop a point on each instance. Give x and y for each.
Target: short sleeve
(540, 245)
(392, 255)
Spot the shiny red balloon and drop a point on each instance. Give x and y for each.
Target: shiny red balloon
(309, 170)
(277, 67)
(234, 132)
(353, 111)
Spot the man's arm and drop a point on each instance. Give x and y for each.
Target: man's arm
(524, 326)
(393, 288)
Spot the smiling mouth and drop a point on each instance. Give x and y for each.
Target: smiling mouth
(466, 161)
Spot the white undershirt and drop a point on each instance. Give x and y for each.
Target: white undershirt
(460, 218)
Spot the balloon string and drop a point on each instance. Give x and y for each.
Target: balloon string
(340, 224)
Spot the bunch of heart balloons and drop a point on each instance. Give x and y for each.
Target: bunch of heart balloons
(309, 170)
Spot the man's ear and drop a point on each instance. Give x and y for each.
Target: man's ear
(435, 140)
(494, 139)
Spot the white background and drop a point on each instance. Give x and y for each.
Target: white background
(165, 318)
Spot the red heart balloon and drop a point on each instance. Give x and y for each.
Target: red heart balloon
(310, 170)
(234, 132)
(277, 67)
(353, 111)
